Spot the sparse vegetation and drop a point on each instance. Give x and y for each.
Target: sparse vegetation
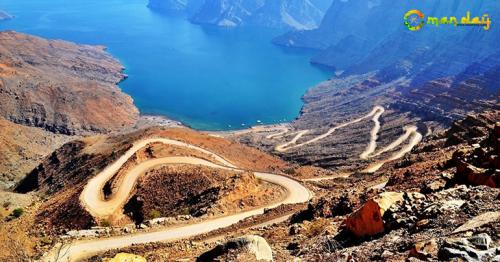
(316, 227)
(105, 223)
(185, 211)
(154, 214)
(45, 241)
(18, 212)
(289, 171)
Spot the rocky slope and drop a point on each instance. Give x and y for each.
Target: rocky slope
(61, 87)
(292, 14)
(22, 148)
(428, 78)
(62, 176)
(409, 100)
(442, 194)
(350, 41)
(439, 203)
(184, 190)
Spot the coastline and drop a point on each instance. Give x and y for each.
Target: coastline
(148, 120)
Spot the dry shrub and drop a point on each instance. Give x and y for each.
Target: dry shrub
(316, 227)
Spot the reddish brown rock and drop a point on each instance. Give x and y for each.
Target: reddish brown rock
(367, 221)
(425, 250)
(61, 86)
(475, 175)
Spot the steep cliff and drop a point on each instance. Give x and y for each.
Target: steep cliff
(61, 87)
(293, 14)
(361, 36)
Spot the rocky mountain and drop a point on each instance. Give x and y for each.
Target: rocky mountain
(295, 14)
(292, 14)
(61, 87)
(428, 78)
(408, 100)
(439, 203)
(362, 36)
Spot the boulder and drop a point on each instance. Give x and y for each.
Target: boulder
(478, 221)
(475, 248)
(475, 175)
(425, 250)
(254, 245)
(481, 241)
(434, 186)
(367, 221)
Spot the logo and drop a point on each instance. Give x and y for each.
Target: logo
(414, 20)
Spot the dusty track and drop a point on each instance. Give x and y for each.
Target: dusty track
(93, 200)
(410, 134)
(375, 113)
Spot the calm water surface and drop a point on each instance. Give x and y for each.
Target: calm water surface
(209, 78)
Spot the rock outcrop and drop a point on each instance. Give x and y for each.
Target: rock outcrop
(61, 87)
(478, 164)
(235, 249)
(22, 148)
(367, 221)
(426, 210)
(290, 14)
(475, 248)
(349, 41)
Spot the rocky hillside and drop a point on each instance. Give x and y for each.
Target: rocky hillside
(22, 148)
(63, 174)
(197, 191)
(408, 97)
(61, 87)
(291, 14)
(428, 78)
(439, 203)
(431, 77)
(350, 41)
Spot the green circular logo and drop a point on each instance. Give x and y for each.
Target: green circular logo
(414, 20)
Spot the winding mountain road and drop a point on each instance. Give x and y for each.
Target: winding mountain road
(93, 200)
(411, 134)
(375, 113)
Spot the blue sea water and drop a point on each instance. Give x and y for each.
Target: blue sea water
(206, 77)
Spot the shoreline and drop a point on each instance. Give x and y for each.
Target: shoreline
(152, 120)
